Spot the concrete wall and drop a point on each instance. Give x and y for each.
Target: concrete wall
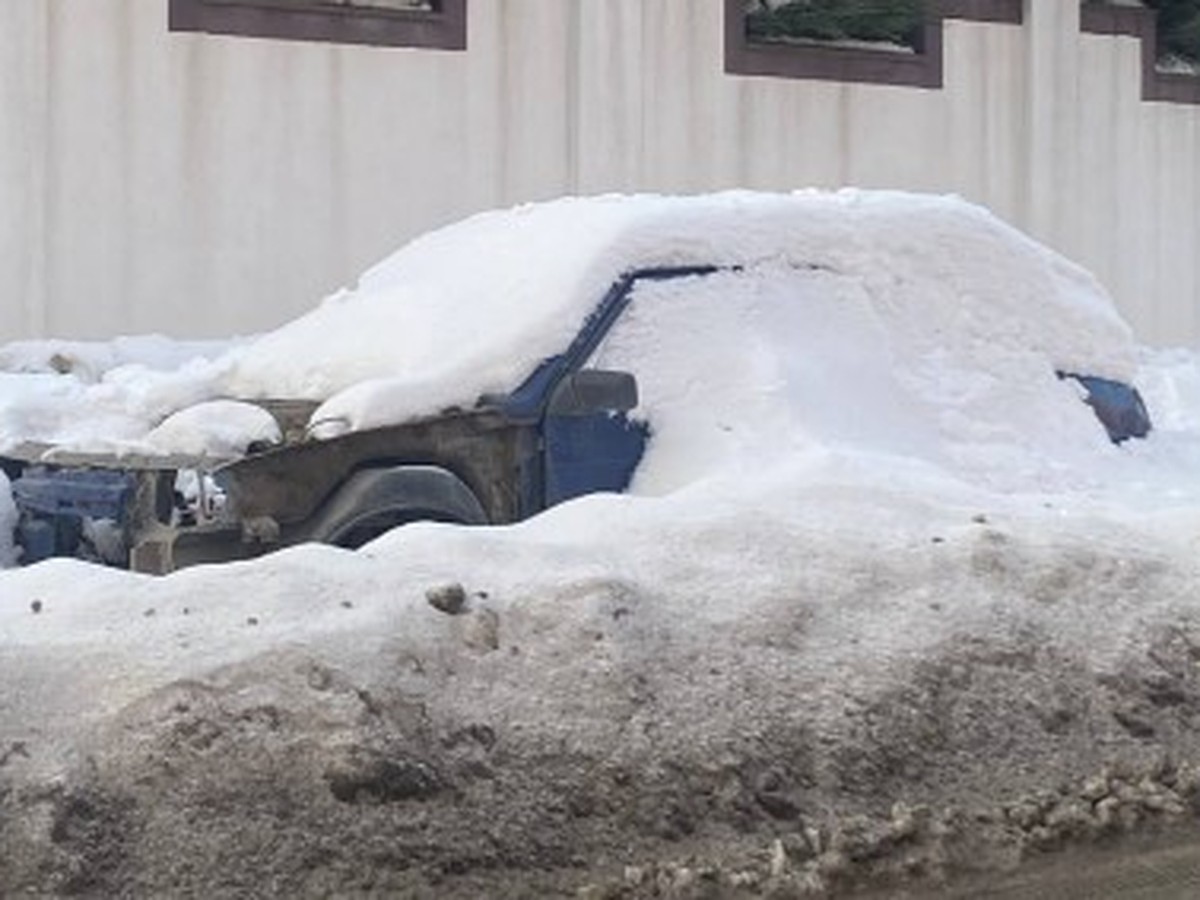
(200, 185)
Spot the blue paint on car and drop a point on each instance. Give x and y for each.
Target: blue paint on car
(1117, 405)
(55, 503)
(595, 452)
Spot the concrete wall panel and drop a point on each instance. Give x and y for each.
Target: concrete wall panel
(200, 185)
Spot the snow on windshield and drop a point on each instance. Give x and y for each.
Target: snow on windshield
(738, 368)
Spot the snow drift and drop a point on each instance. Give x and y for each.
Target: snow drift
(935, 622)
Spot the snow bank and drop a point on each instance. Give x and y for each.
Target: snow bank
(830, 644)
(888, 545)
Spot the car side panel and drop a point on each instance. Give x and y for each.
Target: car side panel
(585, 454)
(487, 452)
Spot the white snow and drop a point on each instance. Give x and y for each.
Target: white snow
(222, 429)
(116, 412)
(90, 360)
(740, 368)
(472, 308)
(887, 376)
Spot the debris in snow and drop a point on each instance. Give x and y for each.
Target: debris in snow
(448, 598)
(481, 630)
(769, 680)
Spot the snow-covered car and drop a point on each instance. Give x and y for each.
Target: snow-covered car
(521, 358)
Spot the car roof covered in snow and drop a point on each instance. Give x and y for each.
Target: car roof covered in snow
(473, 307)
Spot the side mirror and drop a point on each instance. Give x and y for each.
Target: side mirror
(591, 391)
(1117, 405)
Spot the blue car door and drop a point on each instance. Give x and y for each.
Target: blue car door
(589, 453)
(590, 444)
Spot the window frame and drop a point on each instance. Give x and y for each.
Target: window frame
(444, 28)
(1140, 22)
(922, 69)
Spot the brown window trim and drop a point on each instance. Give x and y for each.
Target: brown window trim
(922, 69)
(442, 29)
(1140, 23)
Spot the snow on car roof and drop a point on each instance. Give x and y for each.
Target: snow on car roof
(473, 307)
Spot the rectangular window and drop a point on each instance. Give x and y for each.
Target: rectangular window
(1172, 76)
(896, 42)
(1177, 29)
(433, 24)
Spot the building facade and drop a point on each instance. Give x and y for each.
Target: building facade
(210, 167)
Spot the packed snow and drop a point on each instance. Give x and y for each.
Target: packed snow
(889, 364)
(857, 434)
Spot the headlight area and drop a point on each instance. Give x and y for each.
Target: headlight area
(91, 513)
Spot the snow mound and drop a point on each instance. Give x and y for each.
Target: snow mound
(217, 428)
(896, 566)
(628, 680)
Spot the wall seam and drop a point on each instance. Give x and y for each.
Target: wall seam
(37, 295)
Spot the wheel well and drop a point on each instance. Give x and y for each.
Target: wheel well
(374, 500)
(364, 530)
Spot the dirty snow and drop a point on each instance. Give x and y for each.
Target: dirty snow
(893, 467)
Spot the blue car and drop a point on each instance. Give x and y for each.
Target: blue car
(573, 425)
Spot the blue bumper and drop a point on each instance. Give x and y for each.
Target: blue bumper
(54, 504)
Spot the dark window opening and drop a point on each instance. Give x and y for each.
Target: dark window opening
(432, 24)
(893, 25)
(875, 41)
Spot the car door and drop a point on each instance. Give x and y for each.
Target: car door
(590, 443)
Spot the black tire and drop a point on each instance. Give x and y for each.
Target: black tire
(363, 531)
